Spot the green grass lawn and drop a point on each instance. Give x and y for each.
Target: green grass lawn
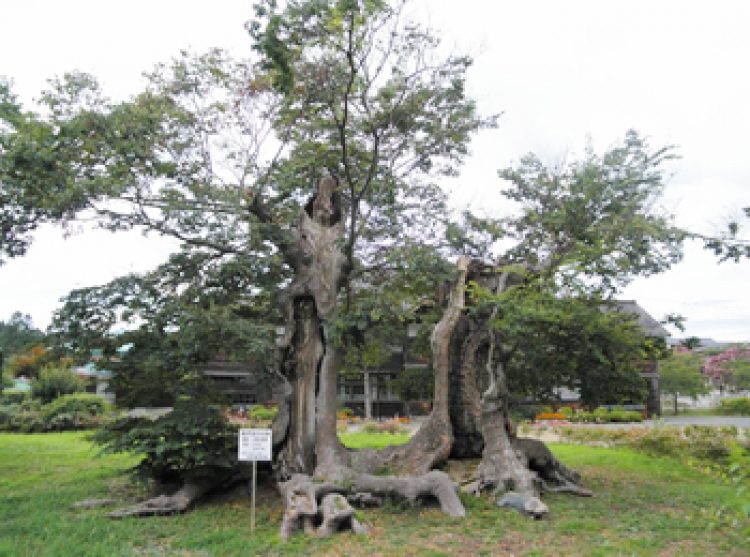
(643, 506)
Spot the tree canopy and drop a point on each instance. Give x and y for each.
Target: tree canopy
(16, 335)
(682, 375)
(303, 185)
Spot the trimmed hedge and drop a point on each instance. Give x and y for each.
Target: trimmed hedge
(735, 406)
(604, 416)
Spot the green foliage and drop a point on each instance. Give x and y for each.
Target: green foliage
(701, 443)
(525, 412)
(17, 335)
(29, 362)
(604, 415)
(682, 375)
(597, 216)
(67, 413)
(74, 404)
(55, 381)
(735, 406)
(260, 412)
(190, 442)
(414, 384)
(730, 245)
(580, 342)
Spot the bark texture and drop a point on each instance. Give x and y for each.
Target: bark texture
(178, 502)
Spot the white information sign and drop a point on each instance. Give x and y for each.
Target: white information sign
(255, 445)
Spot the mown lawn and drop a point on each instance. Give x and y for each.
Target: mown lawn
(643, 506)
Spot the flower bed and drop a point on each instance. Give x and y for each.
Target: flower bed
(550, 418)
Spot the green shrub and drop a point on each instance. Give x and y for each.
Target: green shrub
(371, 427)
(13, 397)
(702, 443)
(32, 405)
(581, 417)
(192, 441)
(601, 413)
(526, 412)
(735, 406)
(260, 412)
(55, 381)
(7, 412)
(566, 411)
(91, 405)
(31, 417)
(604, 416)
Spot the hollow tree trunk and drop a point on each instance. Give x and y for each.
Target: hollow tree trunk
(465, 412)
(480, 411)
(310, 359)
(301, 370)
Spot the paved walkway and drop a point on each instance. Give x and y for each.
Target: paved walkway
(738, 421)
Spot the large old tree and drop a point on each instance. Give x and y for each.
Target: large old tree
(302, 186)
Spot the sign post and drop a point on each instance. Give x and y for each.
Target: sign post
(254, 445)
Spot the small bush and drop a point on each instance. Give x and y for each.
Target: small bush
(604, 416)
(192, 441)
(13, 397)
(566, 411)
(32, 417)
(260, 412)
(91, 405)
(345, 413)
(371, 427)
(55, 381)
(525, 413)
(735, 406)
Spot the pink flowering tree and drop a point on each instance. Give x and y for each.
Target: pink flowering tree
(730, 369)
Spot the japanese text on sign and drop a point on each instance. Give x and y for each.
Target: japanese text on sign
(255, 444)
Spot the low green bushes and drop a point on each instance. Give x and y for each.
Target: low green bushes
(604, 416)
(55, 381)
(72, 404)
(735, 406)
(13, 397)
(260, 412)
(708, 444)
(66, 413)
(194, 440)
(526, 412)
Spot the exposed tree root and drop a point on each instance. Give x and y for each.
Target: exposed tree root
(178, 502)
(320, 508)
(553, 475)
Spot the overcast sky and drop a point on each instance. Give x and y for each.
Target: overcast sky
(558, 71)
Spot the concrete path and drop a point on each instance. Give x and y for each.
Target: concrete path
(738, 421)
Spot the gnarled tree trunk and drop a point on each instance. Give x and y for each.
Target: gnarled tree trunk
(469, 418)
